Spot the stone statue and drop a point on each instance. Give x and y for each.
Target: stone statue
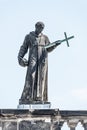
(36, 82)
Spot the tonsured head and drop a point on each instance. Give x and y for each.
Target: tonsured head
(39, 26)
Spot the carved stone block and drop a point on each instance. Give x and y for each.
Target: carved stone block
(9, 125)
(34, 125)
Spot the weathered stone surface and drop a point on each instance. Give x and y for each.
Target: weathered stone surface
(58, 125)
(9, 125)
(0, 125)
(36, 125)
(51, 119)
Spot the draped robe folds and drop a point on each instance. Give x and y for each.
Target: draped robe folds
(36, 86)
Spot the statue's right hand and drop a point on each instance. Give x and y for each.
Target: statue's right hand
(23, 62)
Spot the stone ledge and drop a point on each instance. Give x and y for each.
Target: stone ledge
(46, 119)
(44, 112)
(27, 111)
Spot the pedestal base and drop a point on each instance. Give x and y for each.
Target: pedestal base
(46, 105)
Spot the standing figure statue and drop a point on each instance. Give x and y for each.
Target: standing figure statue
(36, 82)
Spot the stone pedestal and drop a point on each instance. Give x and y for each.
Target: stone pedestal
(38, 105)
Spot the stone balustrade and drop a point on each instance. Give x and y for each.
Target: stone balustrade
(48, 119)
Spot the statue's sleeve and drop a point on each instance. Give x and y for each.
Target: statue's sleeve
(48, 42)
(24, 48)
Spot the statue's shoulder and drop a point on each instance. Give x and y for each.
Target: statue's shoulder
(46, 37)
(28, 36)
(32, 33)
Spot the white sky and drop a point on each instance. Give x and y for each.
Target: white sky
(67, 66)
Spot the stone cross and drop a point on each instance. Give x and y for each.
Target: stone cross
(60, 41)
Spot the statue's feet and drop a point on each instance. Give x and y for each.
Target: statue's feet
(38, 99)
(25, 101)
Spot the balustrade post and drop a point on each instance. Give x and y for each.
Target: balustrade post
(84, 123)
(57, 125)
(0, 125)
(72, 124)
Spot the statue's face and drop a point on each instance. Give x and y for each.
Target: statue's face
(39, 29)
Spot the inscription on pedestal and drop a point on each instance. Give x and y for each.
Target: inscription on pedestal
(35, 106)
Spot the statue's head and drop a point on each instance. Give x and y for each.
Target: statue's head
(39, 26)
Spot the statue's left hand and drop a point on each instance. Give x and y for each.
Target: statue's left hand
(58, 43)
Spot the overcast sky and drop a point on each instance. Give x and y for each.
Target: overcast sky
(67, 86)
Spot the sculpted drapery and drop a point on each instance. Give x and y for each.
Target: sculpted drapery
(36, 81)
(36, 78)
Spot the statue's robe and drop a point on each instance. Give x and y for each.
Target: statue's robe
(36, 82)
